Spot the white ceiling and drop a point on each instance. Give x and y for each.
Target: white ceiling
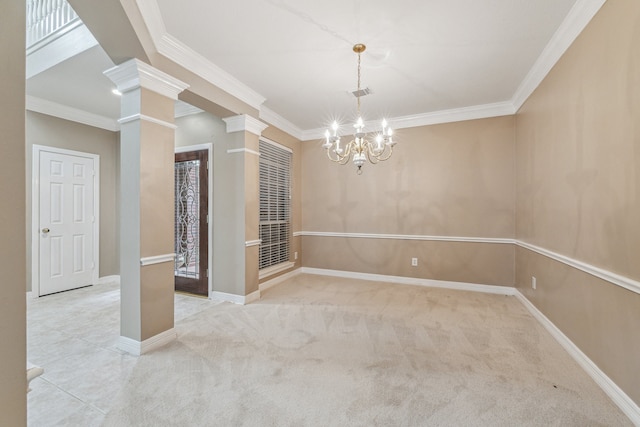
(78, 82)
(422, 56)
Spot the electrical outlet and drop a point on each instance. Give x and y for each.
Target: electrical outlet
(533, 282)
(295, 255)
(414, 262)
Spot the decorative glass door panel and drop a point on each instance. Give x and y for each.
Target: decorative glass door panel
(191, 227)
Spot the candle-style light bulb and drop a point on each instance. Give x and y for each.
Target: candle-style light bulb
(379, 142)
(334, 126)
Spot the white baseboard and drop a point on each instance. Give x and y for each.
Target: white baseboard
(33, 372)
(138, 348)
(271, 283)
(236, 299)
(108, 279)
(253, 296)
(461, 286)
(223, 296)
(619, 397)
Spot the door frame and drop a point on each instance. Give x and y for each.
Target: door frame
(35, 212)
(209, 147)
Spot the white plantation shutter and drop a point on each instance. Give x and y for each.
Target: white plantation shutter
(275, 204)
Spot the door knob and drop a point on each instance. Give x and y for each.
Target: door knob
(45, 230)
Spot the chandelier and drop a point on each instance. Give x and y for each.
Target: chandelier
(360, 148)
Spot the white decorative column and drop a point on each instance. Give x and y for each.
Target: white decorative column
(239, 266)
(147, 140)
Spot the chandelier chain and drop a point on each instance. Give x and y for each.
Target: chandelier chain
(358, 84)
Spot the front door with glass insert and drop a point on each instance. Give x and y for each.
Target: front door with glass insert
(191, 227)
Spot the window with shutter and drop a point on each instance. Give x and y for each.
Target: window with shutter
(275, 204)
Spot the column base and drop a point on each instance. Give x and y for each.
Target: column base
(138, 348)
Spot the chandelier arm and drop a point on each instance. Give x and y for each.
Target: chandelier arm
(381, 158)
(344, 161)
(337, 159)
(347, 150)
(372, 158)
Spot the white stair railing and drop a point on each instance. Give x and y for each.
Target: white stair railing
(45, 17)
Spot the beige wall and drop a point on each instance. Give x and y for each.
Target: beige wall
(578, 182)
(453, 180)
(54, 132)
(13, 384)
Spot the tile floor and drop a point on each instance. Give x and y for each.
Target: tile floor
(73, 336)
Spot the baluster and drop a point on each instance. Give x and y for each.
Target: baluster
(67, 14)
(34, 15)
(45, 18)
(55, 18)
(50, 17)
(29, 22)
(40, 19)
(59, 14)
(29, 12)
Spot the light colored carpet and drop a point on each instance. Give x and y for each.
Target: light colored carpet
(320, 351)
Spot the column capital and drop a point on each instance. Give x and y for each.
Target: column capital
(244, 122)
(134, 74)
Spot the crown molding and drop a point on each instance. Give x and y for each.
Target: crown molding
(134, 73)
(576, 20)
(436, 117)
(152, 18)
(183, 55)
(54, 109)
(244, 122)
(275, 119)
(454, 115)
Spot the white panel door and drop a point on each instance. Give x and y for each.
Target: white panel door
(66, 222)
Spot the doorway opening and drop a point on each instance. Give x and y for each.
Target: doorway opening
(191, 230)
(65, 218)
